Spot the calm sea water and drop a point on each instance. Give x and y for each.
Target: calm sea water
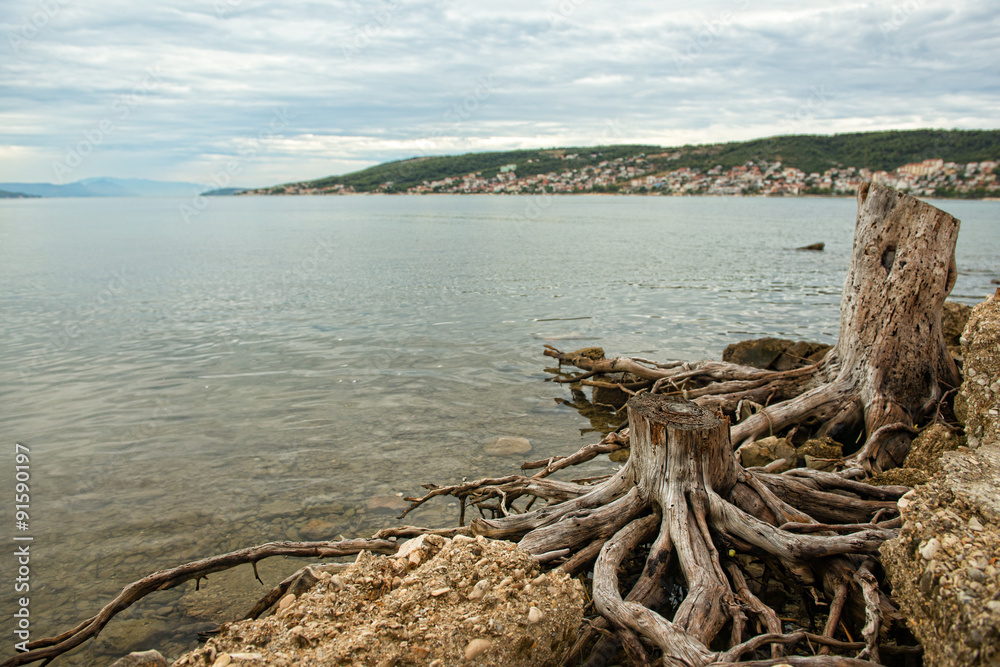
(282, 368)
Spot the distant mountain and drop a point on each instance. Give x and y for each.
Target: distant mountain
(811, 153)
(107, 187)
(14, 195)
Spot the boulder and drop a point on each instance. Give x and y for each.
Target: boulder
(777, 354)
(944, 567)
(978, 401)
(437, 601)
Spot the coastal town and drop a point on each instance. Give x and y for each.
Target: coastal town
(642, 175)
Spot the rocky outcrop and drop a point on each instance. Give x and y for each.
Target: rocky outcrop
(435, 602)
(945, 564)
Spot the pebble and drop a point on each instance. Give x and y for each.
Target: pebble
(977, 575)
(974, 524)
(479, 590)
(535, 615)
(476, 648)
(931, 549)
(286, 601)
(223, 660)
(439, 592)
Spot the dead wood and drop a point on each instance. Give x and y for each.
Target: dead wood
(890, 367)
(683, 478)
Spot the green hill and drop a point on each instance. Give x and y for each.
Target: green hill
(810, 153)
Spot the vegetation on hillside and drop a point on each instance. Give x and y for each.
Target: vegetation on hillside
(810, 153)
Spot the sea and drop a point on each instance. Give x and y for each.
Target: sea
(189, 380)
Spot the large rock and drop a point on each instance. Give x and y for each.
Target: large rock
(978, 401)
(777, 354)
(945, 564)
(445, 602)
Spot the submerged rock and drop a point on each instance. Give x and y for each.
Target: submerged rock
(507, 446)
(141, 659)
(813, 246)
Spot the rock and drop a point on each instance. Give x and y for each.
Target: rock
(141, 659)
(931, 549)
(952, 523)
(954, 317)
(767, 450)
(508, 446)
(428, 620)
(286, 602)
(387, 504)
(778, 354)
(476, 648)
(612, 396)
(802, 353)
(759, 353)
(317, 529)
(818, 247)
(821, 453)
(981, 353)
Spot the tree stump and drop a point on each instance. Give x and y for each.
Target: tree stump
(890, 367)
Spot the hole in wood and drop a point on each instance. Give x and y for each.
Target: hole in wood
(888, 257)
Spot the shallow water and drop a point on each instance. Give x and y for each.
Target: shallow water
(266, 369)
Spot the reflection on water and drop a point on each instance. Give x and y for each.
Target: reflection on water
(269, 369)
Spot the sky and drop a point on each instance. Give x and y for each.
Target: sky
(252, 93)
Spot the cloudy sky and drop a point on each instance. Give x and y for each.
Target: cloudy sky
(179, 89)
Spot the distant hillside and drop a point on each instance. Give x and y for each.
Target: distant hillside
(810, 153)
(15, 195)
(107, 187)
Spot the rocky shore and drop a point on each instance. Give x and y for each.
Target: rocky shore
(437, 601)
(945, 565)
(466, 600)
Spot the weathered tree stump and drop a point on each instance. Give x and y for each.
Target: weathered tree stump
(683, 479)
(890, 367)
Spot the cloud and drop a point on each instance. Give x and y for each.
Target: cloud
(367, 82)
